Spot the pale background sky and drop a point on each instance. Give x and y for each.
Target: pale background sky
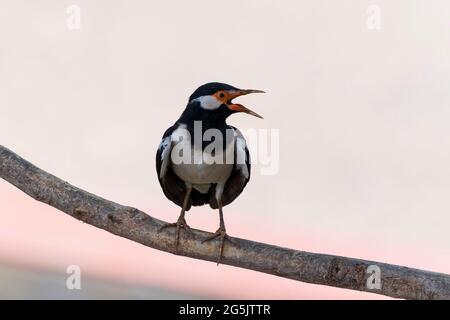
(363, 118)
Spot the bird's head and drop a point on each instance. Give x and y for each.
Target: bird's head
(218, 97)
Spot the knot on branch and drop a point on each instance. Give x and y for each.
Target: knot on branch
(80, 214)
(114, 218)
(340, 272)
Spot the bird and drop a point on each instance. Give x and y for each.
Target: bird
(191, 172)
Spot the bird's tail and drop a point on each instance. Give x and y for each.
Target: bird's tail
(198, 198)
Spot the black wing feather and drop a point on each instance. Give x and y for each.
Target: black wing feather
(173, 187)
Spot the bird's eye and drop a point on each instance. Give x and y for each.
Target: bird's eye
(221, 95)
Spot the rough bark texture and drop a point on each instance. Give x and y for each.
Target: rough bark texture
(133, 224)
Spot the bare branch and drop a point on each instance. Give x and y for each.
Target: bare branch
(133, 224)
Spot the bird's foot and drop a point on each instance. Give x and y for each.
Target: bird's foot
(180, 224)
(222, 234)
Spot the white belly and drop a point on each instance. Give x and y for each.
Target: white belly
(203, 173)
(198, 167)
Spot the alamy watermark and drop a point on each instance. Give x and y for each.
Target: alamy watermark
(73, 281)
(73, 20)
(213, 146)
(374, 280)
(373, 21)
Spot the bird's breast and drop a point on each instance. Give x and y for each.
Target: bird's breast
(201, 166)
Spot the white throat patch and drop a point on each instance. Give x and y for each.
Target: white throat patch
(208, 102)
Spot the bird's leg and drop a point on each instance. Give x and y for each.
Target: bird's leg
(220, 233)
(181, 222)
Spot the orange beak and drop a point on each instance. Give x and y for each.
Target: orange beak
(239, 107)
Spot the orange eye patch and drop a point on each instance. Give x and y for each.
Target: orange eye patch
(222, 96)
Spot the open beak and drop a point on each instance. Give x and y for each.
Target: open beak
(239, 107)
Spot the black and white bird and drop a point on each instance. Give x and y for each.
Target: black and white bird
(203, 160)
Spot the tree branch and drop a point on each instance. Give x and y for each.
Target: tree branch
(133, 224)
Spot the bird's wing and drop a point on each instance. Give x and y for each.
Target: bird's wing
(241, 171)
(174, 188)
